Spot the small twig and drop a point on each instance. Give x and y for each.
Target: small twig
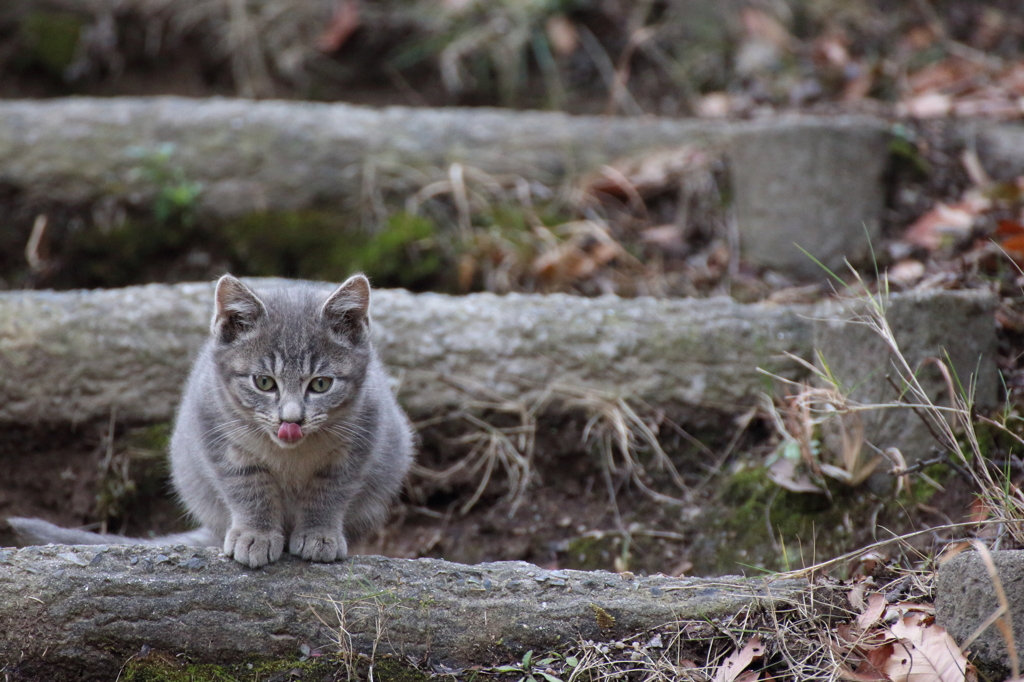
(456, 176)
(956, 48)
(922, 464)
(899, 396)
(403, 86)
(32, 255)
(108, 459)
(620, 83)
(843, 558)
(606, 69)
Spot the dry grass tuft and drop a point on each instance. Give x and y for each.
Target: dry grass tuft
(954, 426)
(350, 616)
(814, 423)
(619, 434)
(490, 447)
(804, 419)
(623, 434)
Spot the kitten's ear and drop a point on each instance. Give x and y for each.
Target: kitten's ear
(236, 309)
(347, 311)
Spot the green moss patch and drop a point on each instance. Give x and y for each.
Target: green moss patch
(324, 245)
(50, 40)
(158, 667)
(755, 525)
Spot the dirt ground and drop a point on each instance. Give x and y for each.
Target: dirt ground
(568, 518)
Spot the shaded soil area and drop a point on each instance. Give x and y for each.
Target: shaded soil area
(730, 519)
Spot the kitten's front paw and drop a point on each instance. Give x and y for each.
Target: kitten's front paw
(253, 547)
(318, 544)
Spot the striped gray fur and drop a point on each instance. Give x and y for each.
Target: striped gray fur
(260, 469)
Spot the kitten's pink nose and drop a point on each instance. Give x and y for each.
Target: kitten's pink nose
(289, 432)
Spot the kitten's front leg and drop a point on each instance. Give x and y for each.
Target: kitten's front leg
(255, 537)
(319, 533)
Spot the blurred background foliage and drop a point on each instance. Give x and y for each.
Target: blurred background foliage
(728, 59)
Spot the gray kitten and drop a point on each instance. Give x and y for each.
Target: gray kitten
(287, 430)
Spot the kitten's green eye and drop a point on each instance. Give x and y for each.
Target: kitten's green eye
(264, 383)
(320, 384)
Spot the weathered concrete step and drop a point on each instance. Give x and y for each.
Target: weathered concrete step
(90, 609)
(76, 356)
(966, 598)
(816, 181)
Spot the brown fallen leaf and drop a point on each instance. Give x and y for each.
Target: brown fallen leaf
(873, 611)
(1014, 247)
(714, 105)
(927, 105)
(785, 473)
(846, 633)
(952, 550)
(924, 652)
(341, 26)
(1008, 228)
(647, 175)
(562, 35)
(946, 223)
(871, 667)
(906, 273)
(738, 661)
(1010, 319)
(865, 566)
(980, 511)
(588, 247)
(860, 586)
(951, 75)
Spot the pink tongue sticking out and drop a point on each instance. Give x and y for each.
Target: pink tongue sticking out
(289, 432)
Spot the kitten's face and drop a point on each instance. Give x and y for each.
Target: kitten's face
(292, 361)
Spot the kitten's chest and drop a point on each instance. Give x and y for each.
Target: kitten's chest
(294, 470)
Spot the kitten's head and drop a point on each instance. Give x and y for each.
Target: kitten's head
(291, 359)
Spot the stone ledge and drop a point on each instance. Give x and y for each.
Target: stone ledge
(75, 356)
(80, 612)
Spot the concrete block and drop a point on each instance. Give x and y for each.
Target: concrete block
(1000, 148)
(812, 183)
(957, 325)
(965, 597)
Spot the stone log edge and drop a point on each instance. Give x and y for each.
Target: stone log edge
(82, 612)
(76, 357)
